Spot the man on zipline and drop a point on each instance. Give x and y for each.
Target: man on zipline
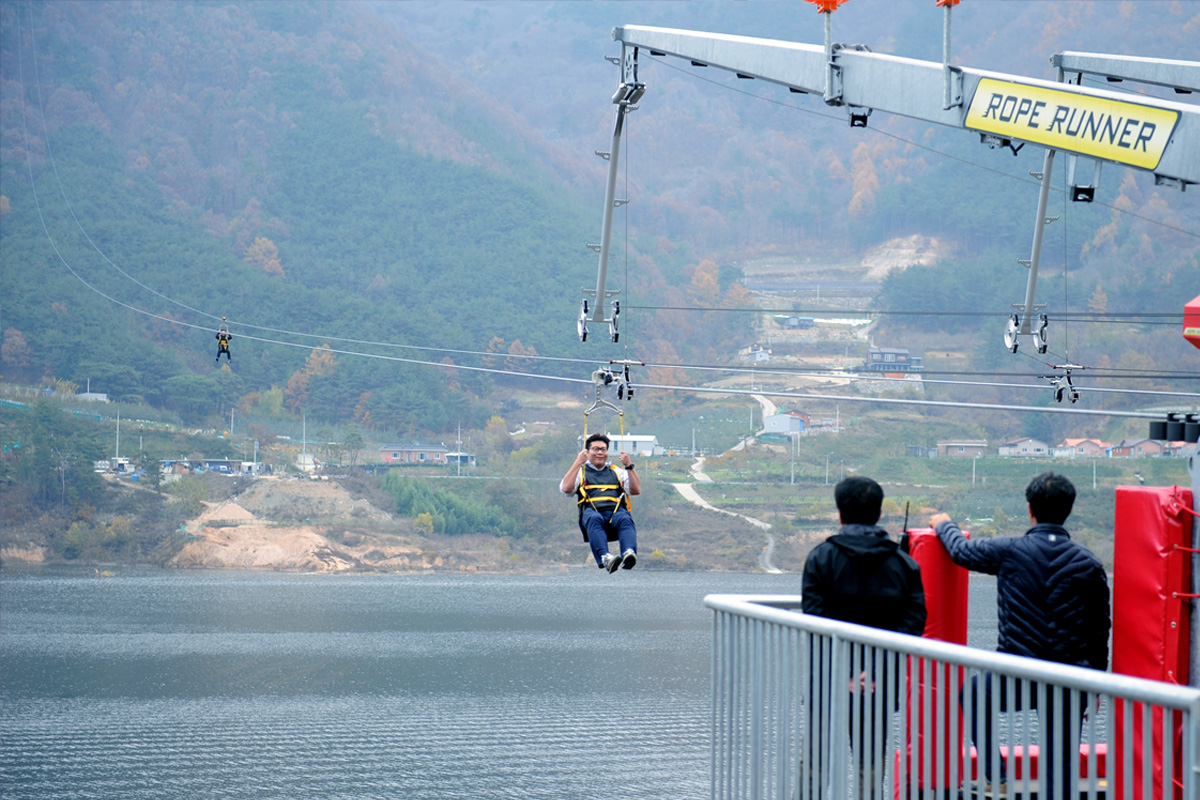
(603, 491)
(223, 338)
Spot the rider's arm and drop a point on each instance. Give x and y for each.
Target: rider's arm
(632, 481)
(568, 482)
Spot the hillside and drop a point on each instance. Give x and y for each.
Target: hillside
(360, 186)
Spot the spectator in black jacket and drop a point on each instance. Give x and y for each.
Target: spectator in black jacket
(1052, 603)
(860, 575)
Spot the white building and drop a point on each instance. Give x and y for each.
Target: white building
(1026, 447)
(788, 422)
(645, 446)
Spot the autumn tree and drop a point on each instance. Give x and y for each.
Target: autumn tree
(496, 345)
(520, 358)
(864, 182)
(15, 350)
(362, 410)
(264, 255)
(497, 443)
(706, 289)
(319, 364)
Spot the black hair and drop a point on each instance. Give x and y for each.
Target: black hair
(859, 500)
(1051, 498)
(596, 437)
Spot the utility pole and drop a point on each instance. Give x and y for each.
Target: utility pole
(793, 438)
(827, 455)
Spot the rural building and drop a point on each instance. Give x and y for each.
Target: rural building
(1082, 448)
(461, 459)
(891, 359)
(413, 453)
(962, 448)
(787, 422)
(755, 352)
(1026, 447)
(226, 466)
(1139, 448)
(644, 445)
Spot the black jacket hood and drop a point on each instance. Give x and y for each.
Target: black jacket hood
(864, 542)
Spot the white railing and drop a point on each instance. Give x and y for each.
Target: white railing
(789, 722)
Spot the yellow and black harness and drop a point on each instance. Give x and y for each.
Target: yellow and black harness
(601, 494)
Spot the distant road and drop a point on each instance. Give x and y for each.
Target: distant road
(689, 493)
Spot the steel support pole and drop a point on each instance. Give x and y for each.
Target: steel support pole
(1039, 229)
(947, 99)
(610, 202)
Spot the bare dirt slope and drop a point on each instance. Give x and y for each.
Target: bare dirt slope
(294, 524)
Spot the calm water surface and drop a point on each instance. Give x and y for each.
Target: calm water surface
(157, 684)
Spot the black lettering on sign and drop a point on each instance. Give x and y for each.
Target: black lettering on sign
(993, 106)
(1060, 116)
(1145, 135)
(1008, 108)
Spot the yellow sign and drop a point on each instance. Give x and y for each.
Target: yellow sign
(1113, 130)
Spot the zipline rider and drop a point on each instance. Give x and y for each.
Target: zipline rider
(603, 491)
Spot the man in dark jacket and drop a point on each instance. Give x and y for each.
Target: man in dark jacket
(1052, 604)
(860, 575)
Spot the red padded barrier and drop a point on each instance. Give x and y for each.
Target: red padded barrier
(945, 585)
(1020, 759)
(1150, 620)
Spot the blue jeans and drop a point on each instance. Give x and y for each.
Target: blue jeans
(1056, 733)
(622, 523)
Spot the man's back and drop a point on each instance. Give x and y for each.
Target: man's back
(1052, 594)
(861, 576)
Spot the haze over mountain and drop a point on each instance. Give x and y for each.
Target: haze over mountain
(422, 174)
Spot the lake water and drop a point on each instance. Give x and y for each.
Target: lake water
(168, 684)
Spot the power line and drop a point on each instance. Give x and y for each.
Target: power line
(1098, 316)
(507, 372)
(907, 402)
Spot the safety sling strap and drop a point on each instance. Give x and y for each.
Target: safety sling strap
(608, 497)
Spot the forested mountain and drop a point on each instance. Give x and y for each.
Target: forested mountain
(422, 174)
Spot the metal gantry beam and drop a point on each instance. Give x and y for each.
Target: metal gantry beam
(1146, 133)
(1090, 125)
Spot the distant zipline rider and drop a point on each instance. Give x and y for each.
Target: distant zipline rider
(603, 491)
(223, 338)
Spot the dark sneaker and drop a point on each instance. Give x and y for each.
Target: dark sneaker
(610, 562)
(628, 559)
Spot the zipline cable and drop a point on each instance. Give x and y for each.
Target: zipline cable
(1172, 318)
(512, 373)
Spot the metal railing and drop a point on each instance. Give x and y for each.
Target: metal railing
(807, 708)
